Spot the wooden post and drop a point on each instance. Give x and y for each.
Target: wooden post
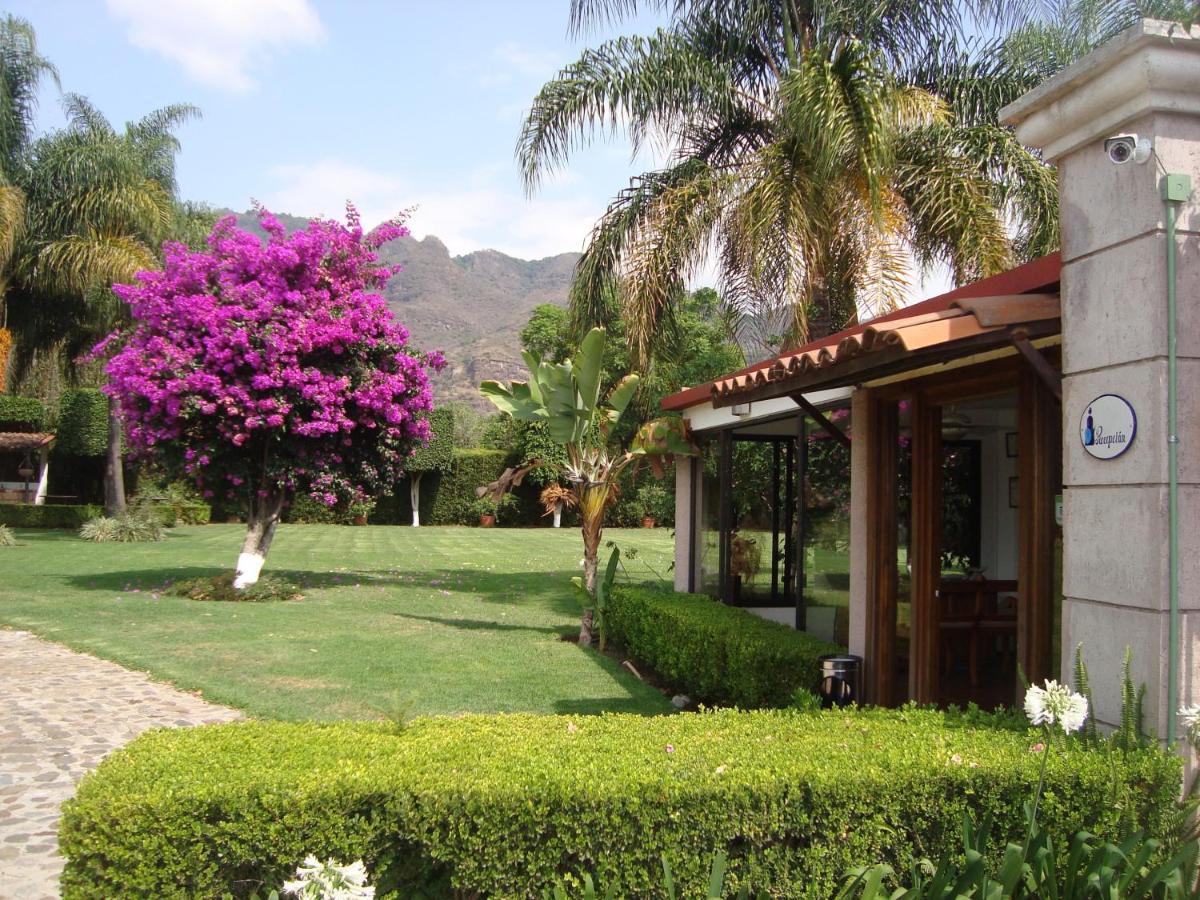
(926, 531)
(1039, 426)
(881, 433)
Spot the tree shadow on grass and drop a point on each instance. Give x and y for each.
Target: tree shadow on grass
(159, 579)
(485, 625)
(551, 591)
(594, 706)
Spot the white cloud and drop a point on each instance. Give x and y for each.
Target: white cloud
(218, 42)
(483, 210)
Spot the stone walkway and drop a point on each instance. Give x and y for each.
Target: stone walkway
(60, 713)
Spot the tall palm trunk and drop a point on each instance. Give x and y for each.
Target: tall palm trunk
(260, 531)
(593, 500)
(114, 471)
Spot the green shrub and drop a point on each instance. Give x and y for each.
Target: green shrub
(174, 502)
(438, 454)
(136, 525)
(454, 498)
(82, 423)
(7, 538)
(508, 804)
(21, 413)
(268, 589)
(447, 498)
(715, 653)
(50, 515)
(304, 510)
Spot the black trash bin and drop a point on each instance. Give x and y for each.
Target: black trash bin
(841, 680)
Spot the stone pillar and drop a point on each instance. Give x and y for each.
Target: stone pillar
(1115, 525)
(686, 517)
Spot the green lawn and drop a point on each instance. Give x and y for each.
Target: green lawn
(441, 620)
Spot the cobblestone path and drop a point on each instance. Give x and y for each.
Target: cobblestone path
(61, 712)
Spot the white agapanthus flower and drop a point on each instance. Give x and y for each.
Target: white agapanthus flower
(1056, 704)
(316, 880)
(1189, 724)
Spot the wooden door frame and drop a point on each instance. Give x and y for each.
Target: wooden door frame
(925, 543)
(1039, 468)
(881, 432)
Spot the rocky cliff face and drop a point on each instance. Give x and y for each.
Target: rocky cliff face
(471, 307)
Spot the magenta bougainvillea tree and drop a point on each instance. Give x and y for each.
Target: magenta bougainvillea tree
(261, 371)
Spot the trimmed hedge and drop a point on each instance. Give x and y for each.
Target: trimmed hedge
(715, 653)
(21, 411)
(50, 515)
(506, 804)
(453, 501)
(193, 512)
(447, 498)
(82, 423)
(438, 454)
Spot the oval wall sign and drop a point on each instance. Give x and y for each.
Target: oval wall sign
(1108, 426)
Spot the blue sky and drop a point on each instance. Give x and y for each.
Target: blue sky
(308, 102)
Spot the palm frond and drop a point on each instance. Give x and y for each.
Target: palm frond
(598, 272)
(951, 205)
(22, 71)
(78, 263)
(645, 85)
(83, 117)
(667, 246)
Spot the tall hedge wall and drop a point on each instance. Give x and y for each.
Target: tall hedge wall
(447, 498)
(82, 423)
(506, 804)
(438, 454)
(21, 413)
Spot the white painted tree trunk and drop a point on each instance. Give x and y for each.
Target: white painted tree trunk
(558, 514)
(260, 531)
(414, 497)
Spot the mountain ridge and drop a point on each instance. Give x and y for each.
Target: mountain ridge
(471, 306)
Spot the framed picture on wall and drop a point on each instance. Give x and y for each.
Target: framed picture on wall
(1010, 444)
(1014, 492)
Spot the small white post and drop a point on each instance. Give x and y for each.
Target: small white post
(414, 497)
(43, 479)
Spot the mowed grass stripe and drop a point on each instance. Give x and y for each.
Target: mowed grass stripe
(428, 620)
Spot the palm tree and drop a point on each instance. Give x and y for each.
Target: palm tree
(22, 69)
(817, 149)
(99, 204)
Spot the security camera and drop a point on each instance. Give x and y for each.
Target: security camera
(1125, 147)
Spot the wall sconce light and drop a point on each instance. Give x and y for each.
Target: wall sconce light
(740, 409)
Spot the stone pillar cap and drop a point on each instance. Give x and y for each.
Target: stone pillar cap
(1152, 66)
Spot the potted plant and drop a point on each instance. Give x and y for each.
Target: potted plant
(745, 556)
(359, 510)
(485, 508)
(554, 499)
(651, 498)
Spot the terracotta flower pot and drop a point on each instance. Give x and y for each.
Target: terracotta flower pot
(648, 522)
(487, 521)
(360, 520)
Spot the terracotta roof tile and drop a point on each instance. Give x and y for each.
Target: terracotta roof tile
(1041, 274)
(22, 441)
(964, 319)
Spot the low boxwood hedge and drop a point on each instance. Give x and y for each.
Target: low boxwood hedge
(503, 805)
(715, 653)
(50, 515)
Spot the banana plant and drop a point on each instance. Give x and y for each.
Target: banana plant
(566, 396)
